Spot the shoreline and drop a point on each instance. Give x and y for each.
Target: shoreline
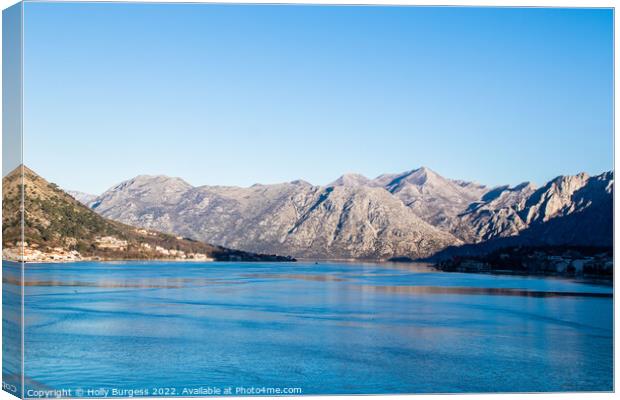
(177, 260)
(603, 279)
(104, 260)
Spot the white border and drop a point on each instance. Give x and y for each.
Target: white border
(484, 3)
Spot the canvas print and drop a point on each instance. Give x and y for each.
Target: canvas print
(288, 200)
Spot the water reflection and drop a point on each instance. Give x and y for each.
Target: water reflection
(480, 291)
(305, 277)
(109, 283)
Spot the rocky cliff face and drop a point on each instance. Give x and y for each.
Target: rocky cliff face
(506, 212)
(495, 214)
(416, 213)
(567, 211)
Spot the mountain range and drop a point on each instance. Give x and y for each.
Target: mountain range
(56, 227)
(416, 214)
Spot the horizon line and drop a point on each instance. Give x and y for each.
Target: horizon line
(394, 174)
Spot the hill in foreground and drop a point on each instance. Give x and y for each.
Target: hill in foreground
(59, 228)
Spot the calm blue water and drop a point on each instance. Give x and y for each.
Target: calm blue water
(323, 328)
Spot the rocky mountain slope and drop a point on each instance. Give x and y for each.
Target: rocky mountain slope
(432, 197)
(543, 214)
(347, 221)
(59, 228)
(416, 213)
(495, 214)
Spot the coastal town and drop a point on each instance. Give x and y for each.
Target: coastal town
(32, 252)
(555, 260)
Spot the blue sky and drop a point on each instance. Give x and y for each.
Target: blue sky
(228, 94)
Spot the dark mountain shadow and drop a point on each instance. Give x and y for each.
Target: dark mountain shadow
(590, 225)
